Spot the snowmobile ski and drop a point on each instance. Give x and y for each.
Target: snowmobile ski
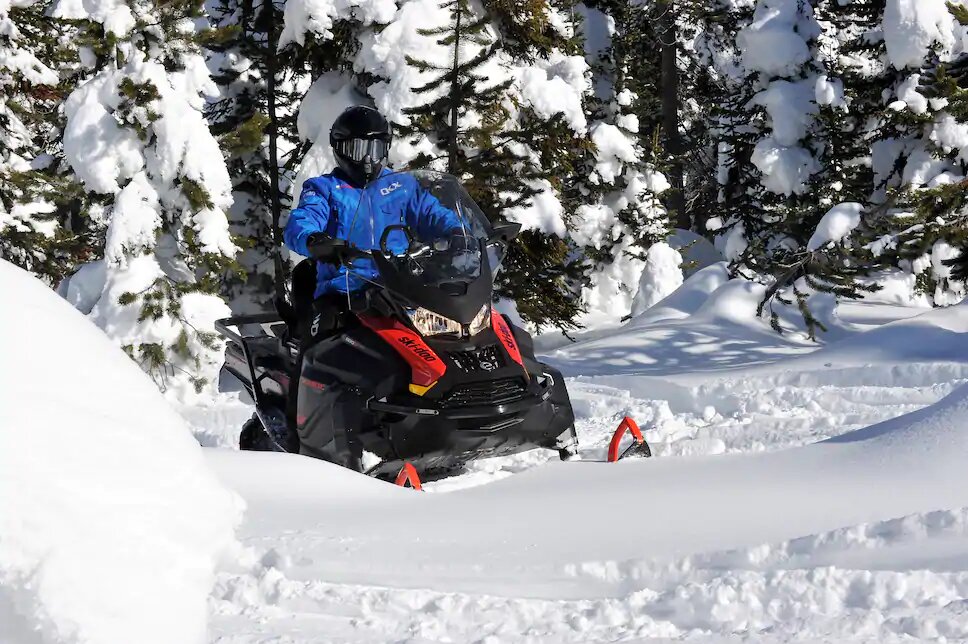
(639, 447)
(408, 477)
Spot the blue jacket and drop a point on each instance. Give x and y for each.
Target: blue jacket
(329, 203)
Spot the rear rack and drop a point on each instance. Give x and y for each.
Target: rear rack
(224, 326)
(231, 328)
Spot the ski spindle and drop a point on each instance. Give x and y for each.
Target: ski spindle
(408, 477)
(639, 444)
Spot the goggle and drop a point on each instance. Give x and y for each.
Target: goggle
(358, 149)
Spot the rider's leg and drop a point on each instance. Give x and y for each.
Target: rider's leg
(319, 319)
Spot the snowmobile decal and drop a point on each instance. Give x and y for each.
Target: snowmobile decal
(312, 383)
(426, 367)
(503, 331)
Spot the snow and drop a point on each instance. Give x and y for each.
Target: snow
(908, 94)
(84, 288)
(913, 27)
(326, 99)
(102, 152)
(774, 42)
(319, 16)
(697, 252)
(661, 277)
(112, 523)
(613, 149)
(384, 54)
(135, 220)
(862, 536)
(835, 225)
(792, 108)
(800, 492)
(124, 324)
(556, 86)
(950, 136)
(115, 15)
(597, 29)
(786, 170)
(545, 213)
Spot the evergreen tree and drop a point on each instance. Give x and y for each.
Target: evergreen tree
(251, 116)
(136, 137)
(929, 224)
(793, 147)
(41, 224)
(514, 156)
(622, 216)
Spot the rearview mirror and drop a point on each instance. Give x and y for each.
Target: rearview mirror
(505, 231)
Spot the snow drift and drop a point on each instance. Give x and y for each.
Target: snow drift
(110, 521)
(641, 549)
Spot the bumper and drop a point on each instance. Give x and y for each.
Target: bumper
(439, 442)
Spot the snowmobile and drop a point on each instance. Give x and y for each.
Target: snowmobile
(425, 375)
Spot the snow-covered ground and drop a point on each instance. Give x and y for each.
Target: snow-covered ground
(111, 524)
(747, 525)
(800, 492)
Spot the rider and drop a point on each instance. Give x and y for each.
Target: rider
(322, 225)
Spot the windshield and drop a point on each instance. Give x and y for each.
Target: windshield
(423, 227)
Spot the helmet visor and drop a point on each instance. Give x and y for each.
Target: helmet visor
(359, 149)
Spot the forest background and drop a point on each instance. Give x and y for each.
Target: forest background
(151, 149)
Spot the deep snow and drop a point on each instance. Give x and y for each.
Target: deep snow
(111, 524)
(799, 493)
(748, 524)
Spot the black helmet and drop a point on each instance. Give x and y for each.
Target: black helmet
(361, 139)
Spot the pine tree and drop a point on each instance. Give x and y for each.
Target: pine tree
(135, 136)
(250, 118)
(793, 146)
(928, 230)
(41, 224)
(513, 158)
(622, 216)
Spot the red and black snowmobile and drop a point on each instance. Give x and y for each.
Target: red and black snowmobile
(425, 372)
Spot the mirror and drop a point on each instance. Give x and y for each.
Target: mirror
(505, 230)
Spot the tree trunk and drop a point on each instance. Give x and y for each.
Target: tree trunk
(275, 202)
(676, 200)
(454, 95)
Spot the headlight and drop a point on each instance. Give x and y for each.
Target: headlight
(481, 321)
(430, 323)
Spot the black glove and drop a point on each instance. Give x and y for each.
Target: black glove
(324, 248)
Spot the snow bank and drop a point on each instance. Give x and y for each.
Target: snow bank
(697, 252)
(110, 522)
(688, 298)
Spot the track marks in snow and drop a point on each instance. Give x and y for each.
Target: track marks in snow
(773, 592)
(725, 414)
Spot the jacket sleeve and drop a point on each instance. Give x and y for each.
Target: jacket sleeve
(432, 218)
(311, 216)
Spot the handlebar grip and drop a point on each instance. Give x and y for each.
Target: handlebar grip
(331, 250)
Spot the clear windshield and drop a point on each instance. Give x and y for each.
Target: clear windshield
(425, 224)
